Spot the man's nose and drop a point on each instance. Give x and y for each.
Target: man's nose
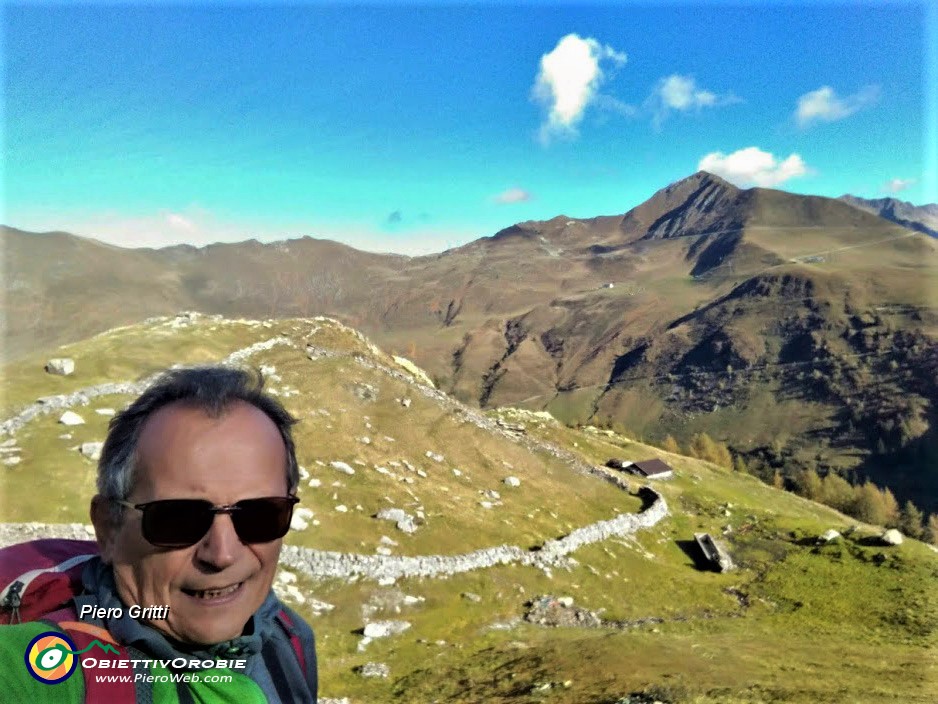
(220, 546)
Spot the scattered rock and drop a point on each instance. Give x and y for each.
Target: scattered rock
(383, 629)
(469, 596)
(301, 518)
(434, 456)
(342, 508)
(105, 411)
(285, 577)
(71, 418)
(62, 366)
(829, 536)
(374, 669)
(405, 402)
(10, 461)
(491, 494)
(92, 450)
(512, 481)
(314, 482)
(343, 467)
(891, 537)
(551, 611)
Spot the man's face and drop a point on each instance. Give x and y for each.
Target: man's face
(185, 454)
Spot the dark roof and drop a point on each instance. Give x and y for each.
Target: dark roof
(651, 467)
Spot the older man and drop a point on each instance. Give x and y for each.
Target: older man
(196, 488)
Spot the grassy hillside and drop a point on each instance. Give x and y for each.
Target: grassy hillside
(851, 621)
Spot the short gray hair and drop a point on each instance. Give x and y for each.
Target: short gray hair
(212, 389)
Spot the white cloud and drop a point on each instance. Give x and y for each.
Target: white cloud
(180, 222)
(823, 104)
(513, 195)
(896, 185)
(753, 167)
(681, 93)
(568, 80)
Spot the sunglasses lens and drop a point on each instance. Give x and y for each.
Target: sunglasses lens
(176, 523)
(263, 520)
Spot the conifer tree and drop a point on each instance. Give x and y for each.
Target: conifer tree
(910, 520)
(670, 445)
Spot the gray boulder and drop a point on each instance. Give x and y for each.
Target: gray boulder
(62, 366)
(374, 669)
(383, 629)
(91, 450)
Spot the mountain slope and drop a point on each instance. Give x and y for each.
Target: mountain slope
(481, 633)
(922, 218)
(633, 319)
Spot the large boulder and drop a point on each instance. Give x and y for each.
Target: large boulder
(62, 366)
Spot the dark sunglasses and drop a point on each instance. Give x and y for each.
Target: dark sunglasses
(181, 523)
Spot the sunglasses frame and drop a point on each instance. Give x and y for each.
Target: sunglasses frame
(212, 510)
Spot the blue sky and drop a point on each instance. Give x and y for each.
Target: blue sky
(411, 128)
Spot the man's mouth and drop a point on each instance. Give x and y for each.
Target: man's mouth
(212, 594)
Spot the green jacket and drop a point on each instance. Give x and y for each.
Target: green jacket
(272, 672)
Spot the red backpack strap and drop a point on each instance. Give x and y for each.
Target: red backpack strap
(288, 626)
(97, 687)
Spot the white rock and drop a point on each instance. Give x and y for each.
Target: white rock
(342, 508)
(828, 536)
(342, 467)
(10, 461)
(11, 442)
(304, 474)
(71, 418)
(512, 481)
(105, 411)
(296, 594)
(62, 366)
(285, 577)
(314, 482)
(421, 473)
(383, 629)
(491, 494)
(92, 450)
(485, 504)
(434, 456)
(411, 600)
(405, 402)
(320, 606)
(892, 537)
(374, 669)
(386, 581)
(301, 518)
(456, 473)
(383, 551)
(385, 540)
(365, 440)
(64, 436)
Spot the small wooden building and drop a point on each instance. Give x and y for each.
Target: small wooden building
(652, 469)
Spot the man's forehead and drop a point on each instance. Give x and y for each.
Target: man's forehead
(183, 448)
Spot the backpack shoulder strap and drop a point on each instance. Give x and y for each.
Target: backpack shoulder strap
(284, 618)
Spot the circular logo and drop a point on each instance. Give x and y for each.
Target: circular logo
(51, 658)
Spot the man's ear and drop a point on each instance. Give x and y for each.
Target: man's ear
(104, 528)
